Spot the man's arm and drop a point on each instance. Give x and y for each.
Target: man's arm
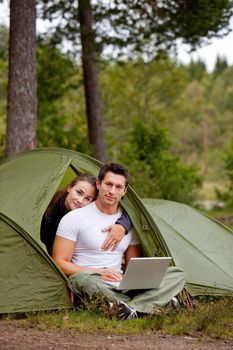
(133, 251)
(63, 250)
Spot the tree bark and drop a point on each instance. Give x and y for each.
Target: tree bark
(91, 84)
(22, 101)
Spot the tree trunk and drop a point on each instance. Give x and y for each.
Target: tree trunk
(91, 84)
(21, 108)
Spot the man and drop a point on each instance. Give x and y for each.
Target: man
(77, 250)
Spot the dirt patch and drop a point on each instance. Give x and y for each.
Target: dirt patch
(14, 336)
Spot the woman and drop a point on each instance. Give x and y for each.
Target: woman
(79, 193)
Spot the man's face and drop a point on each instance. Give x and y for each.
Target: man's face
(111, 189)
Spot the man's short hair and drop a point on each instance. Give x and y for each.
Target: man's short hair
(115, 168)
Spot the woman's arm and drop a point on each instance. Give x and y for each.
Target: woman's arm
(124, 220)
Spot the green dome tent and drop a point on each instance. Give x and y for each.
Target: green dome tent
(31, 281)
(198, 244)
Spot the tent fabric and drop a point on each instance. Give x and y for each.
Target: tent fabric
(29, 278)
(199, 245)
(29, 282)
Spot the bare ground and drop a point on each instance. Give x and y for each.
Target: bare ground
(14, 336)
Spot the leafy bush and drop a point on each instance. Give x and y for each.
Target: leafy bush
(61, 114)
(155, 171)
(227, 196)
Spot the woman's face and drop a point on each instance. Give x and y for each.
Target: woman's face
(80, 195)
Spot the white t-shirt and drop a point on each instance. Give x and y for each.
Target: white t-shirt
(84, 226)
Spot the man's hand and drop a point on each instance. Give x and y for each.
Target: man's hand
(110, 275)
(115, 234)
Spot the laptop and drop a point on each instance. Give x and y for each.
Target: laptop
(143, 273)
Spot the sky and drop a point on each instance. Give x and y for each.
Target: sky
(218, 47)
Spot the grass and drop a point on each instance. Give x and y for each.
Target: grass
(212, 318)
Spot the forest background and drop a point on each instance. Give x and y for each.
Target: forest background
(170, 124)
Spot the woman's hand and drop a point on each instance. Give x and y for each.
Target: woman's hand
(116, 233)
(110, 275)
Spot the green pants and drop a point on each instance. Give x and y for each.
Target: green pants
(142, 300)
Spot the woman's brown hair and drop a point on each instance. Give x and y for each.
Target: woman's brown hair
(60, 194)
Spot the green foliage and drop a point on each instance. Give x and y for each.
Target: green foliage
(4, 36)
(140, 90)
(229, 164)
(140, 103)
(133, 28)
(203, 122)
(222, 93)
(187, 129)
(154, 117)
(196, 70)
(61, 114)
(155, 171)
(227, 196)
(54, 70)
(220, 65)
(141, 26)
